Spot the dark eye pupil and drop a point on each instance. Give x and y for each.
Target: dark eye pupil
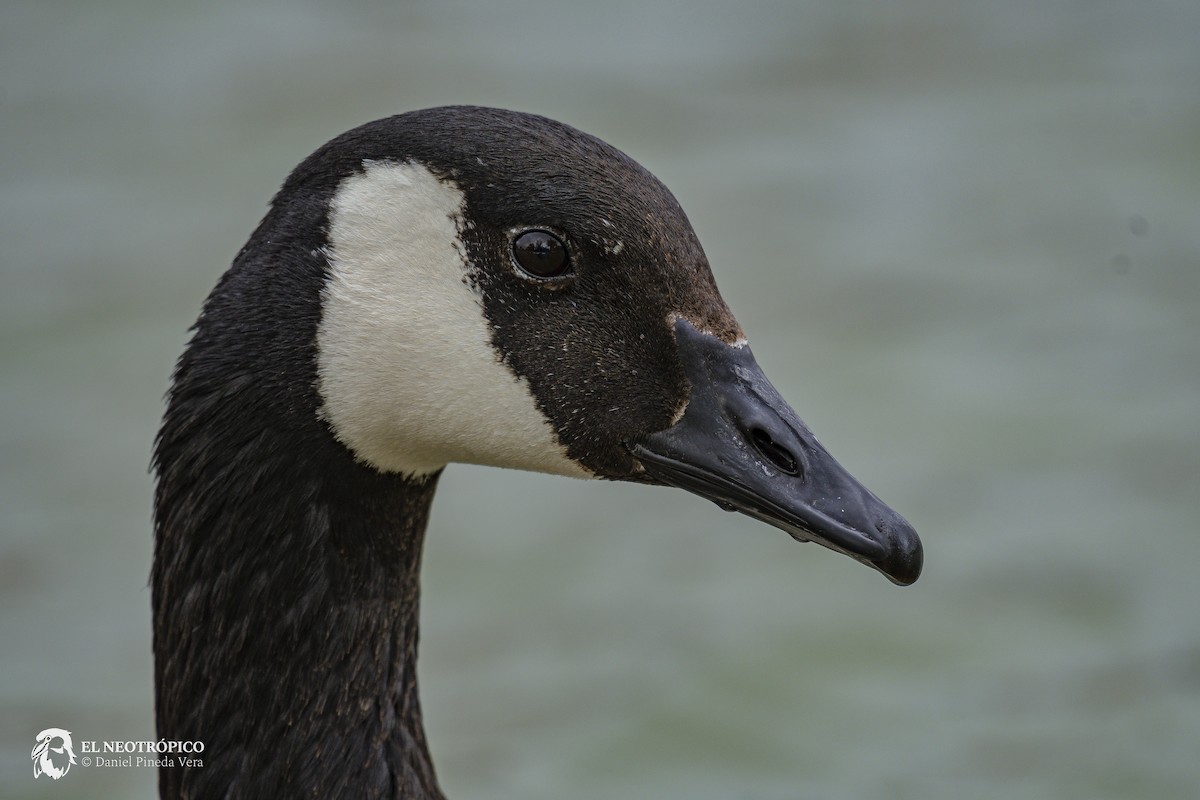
(541, 254)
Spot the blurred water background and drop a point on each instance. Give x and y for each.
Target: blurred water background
(965, 240)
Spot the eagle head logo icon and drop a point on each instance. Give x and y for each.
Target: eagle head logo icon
(53, 753)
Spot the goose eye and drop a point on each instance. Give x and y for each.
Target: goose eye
(541, 254)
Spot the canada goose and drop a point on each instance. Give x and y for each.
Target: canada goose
(454, 284)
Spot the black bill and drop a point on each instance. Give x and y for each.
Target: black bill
(742, 446)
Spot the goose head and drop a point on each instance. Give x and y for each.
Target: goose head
(451, 285)
(501, 289)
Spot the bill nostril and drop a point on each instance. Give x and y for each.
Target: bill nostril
(774, 452)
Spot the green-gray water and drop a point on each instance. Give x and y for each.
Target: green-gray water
(964, 239)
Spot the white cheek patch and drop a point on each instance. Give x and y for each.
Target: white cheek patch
(407, 374)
